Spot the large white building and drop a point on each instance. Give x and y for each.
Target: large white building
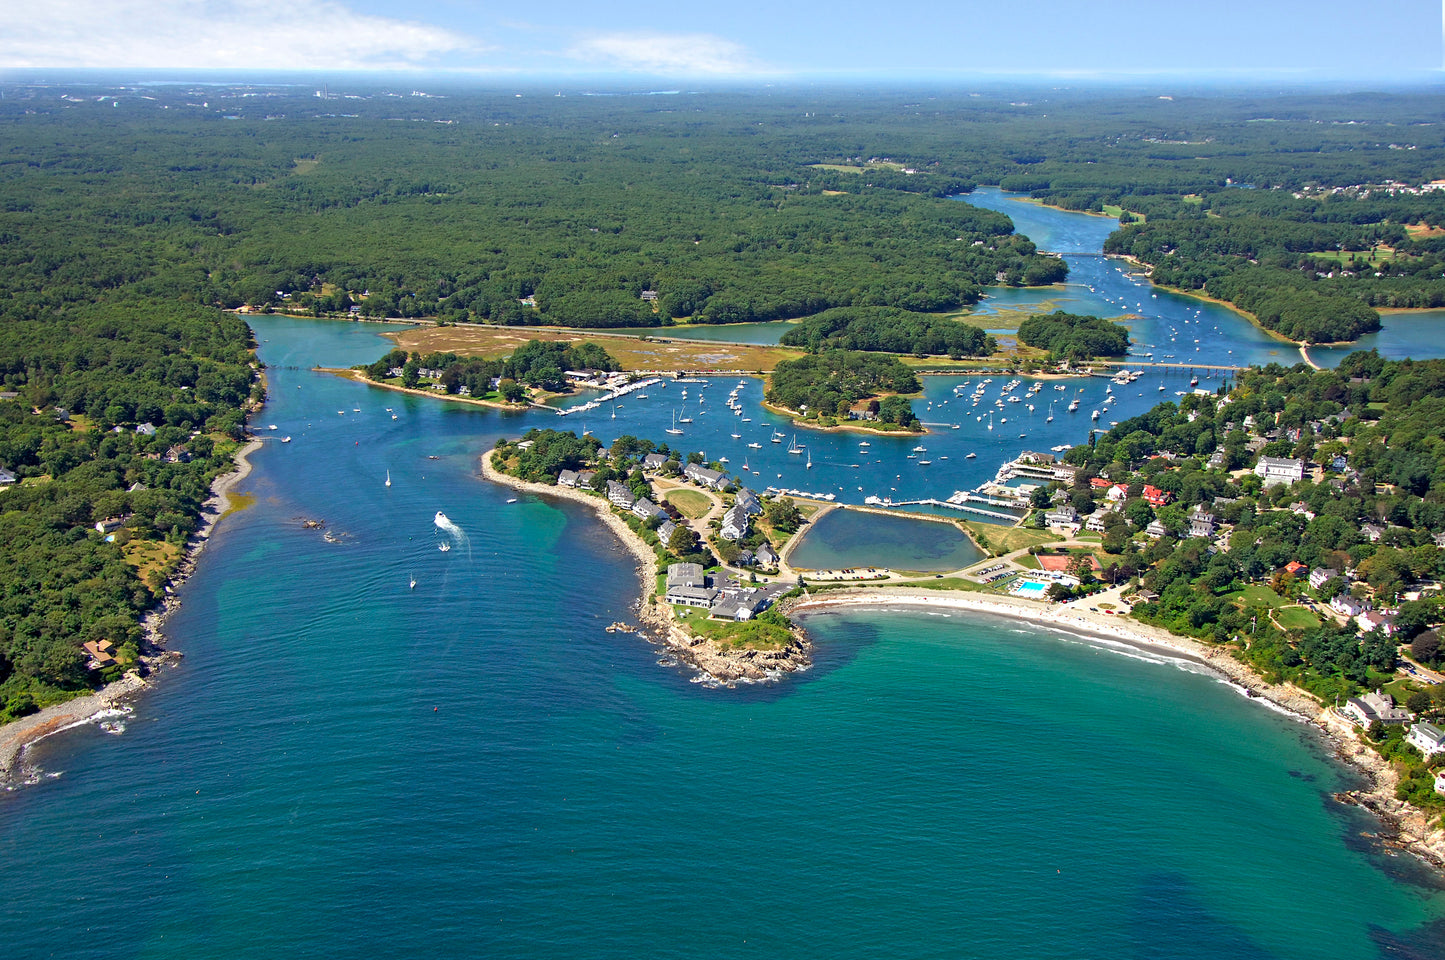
(1275, 470)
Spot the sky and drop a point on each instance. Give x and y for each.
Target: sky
(738, 39)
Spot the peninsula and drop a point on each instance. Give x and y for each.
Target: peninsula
(728, 627)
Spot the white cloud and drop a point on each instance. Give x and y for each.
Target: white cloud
(665, 53)
(190, 34)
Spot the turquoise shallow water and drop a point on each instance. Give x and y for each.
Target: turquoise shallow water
(344, 767)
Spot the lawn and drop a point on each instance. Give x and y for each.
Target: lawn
(1296, 618)
(750, 634)
(1258, 593)
(999, 540)
(692, 503)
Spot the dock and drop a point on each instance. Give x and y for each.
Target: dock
(964, 507)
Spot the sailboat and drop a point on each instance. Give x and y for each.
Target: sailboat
(777, 437)
(412, 584)
(990, 421)
(793, 447)
(388, 478)
(810, 460)
(444, 546)
(673, 429)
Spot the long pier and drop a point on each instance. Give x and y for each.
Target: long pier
(967, 508)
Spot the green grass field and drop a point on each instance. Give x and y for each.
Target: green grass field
(692, 503)
(1000, 540)
(1260, 594)
(1297, 618)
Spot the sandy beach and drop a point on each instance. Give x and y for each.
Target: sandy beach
(1404, 827)
(721, 666)
(16, 737)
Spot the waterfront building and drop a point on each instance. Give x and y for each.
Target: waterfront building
(619, 495)
(1374, 707)
(1428, 739)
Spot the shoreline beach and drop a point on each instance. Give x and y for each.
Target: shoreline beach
(721, 666)
(17, 737)
(1406, 827)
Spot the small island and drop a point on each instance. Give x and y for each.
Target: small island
(846, 389)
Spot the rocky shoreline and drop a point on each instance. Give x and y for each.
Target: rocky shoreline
(1404, 827)
(17, 737)
(717, 664)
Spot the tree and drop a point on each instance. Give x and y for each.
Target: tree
(784, 516)
(683, 541)
(511, 391)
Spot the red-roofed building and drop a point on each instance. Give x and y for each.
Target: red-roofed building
(1100, 483)
(1295, 568)
(1156, 497)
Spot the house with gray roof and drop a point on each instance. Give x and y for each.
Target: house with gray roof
(567, 478)
(1347, 606)
(734, 523)
(6, 477)
(705, 476)
(685, 575)
(619, 495)
(1064, 516)
(1427, 738)
(1201, 524)
(1155, 529)
(654, 461)
(1319, 576)
(646, 509)
(766, 555)
(749, 502)
(665, 532)
(1374, 707)
(703, 597)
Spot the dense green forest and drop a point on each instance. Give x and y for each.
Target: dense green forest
(85, 379)
(890, 331)
(1074, 336)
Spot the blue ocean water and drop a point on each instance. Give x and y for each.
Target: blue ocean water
(344, 766)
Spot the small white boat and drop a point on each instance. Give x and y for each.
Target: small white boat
(388, 478)
(412, 584)
(512, 500)
(444, 547)
(970, 456)
(285, 439)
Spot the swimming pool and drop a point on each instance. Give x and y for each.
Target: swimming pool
(1030, 588)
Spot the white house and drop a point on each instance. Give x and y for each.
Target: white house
(1440, 782)
(1347, 606)
(1279, 470)
(1319, 576)
(1428, 739)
